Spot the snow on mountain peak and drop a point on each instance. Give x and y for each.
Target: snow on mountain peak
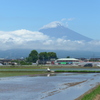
(52, 25)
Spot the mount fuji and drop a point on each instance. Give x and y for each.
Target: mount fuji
(54, 37)
(57, 30)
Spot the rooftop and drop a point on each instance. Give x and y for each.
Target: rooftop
(67, 59)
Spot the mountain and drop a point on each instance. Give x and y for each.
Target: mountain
(19, 43)
(60, 31)
(23, 53)
(14, 53)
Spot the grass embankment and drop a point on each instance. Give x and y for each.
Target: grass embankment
(77, 71)
(7, 71)
(92, 95)
(21, 67)
(20, 73)
(31, 70)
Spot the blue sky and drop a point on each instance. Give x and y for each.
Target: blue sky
(20, 21)
(31, 15)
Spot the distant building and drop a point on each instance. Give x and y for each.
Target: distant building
(50, 61)
(83, 59)
(67, 61)
(94, 59)
(7, 62)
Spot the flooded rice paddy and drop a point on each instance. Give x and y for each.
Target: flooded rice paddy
(61, 86)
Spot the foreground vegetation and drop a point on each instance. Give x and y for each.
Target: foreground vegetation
(78, 71)
(92, 95)
(7, 71)
(33, 70)
(20, 73)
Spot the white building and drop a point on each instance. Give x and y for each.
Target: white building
(67, 61)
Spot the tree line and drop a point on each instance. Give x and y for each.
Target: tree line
(34, 56)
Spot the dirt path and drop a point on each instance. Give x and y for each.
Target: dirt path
(97, 97)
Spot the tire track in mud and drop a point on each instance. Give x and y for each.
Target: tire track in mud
(65, 86)
(89, 91)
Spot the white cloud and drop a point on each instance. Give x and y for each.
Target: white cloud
(20, 36)
(64, 19)
(25, 39)
(62, 44)
(70, 19)
(48, 42)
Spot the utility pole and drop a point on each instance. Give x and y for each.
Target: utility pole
(43, 60)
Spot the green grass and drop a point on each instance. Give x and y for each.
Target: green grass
(78, 71)
(20, 73)
(7, 71)
(92, 95)
(21, 67)
(31, 70)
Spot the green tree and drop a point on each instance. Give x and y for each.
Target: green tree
(43, 55)
(47, 56)
(33, 56)
(68, 57)
(52, 55)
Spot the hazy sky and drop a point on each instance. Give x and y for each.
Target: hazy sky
(82, 16)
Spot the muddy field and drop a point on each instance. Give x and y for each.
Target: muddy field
(61, 86)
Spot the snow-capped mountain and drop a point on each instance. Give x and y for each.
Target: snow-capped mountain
(57, 30)
(52, 37)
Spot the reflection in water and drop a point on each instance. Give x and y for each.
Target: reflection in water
(48, 75)
(56, 87)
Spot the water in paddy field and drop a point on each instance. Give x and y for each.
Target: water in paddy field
(62, 86)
